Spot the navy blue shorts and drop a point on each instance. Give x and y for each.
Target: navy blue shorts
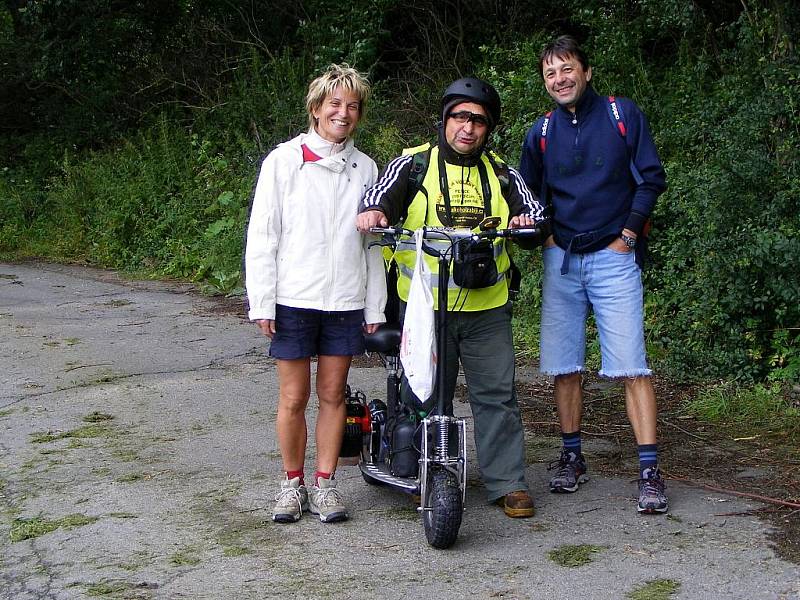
(303, 332)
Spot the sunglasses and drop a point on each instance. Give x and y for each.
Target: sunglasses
(463, 116)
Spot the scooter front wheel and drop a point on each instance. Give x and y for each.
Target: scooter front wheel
(443, 518)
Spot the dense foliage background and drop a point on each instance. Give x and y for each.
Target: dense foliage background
(131, 134)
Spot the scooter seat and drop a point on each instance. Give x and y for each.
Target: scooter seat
(385, 340)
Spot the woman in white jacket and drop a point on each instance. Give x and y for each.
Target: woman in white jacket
(313, 285)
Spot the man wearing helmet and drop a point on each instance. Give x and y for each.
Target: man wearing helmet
(460, 188)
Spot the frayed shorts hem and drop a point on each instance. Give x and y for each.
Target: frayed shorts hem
(557, 372)
(626, 374)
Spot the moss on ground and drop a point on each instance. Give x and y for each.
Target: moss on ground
(130, 478)
(24, 529)
(657, 589)
(574, 555)
(187, 556)
(85, 431)
(97, 417)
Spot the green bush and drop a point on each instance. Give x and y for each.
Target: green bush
(725, 246)
(149, 164)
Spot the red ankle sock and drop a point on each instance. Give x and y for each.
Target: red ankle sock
(322, 474)
(293, 474)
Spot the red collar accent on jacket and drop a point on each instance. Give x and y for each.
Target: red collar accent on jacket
(308, 155)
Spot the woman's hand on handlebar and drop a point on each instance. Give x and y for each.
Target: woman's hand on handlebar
(371, 327)
(267, 327)
(521, 221)
(371, 218)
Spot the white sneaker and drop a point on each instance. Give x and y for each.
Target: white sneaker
(290, 501)
(326, 501)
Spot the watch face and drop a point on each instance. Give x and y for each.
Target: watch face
(629, 241)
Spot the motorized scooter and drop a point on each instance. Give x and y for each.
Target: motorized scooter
(415, 447)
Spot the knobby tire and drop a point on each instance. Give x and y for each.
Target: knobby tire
(444, 519)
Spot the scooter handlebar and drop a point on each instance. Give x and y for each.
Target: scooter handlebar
(520, 232)
(488, 233)
(455, 236)
(390, 230)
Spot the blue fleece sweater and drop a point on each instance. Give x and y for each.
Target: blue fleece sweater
(586, 166)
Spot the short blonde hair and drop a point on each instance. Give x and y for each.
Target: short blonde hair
(335, 76)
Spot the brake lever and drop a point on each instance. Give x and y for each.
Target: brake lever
(384, 243)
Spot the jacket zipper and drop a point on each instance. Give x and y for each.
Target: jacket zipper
(577, 130)
(331, 242)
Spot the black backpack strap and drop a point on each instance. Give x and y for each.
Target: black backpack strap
(501, 172)
(486, 188)
(419, 168)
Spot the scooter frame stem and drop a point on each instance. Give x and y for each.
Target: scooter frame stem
(441, 330)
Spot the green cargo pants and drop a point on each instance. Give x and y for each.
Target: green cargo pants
(481, 342)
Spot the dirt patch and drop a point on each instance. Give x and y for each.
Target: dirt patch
(227, 305)
(695, 452)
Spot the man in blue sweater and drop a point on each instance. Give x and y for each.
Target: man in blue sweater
(595, 162)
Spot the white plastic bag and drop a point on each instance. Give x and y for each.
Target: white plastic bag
(418, 344)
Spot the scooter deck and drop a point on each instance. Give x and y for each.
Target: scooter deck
(380, 472)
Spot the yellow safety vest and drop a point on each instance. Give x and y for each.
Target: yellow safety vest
(426, 210)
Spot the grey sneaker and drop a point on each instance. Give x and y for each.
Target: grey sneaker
(326, 501)
(290, 501)
(570, 471)
(652, 499)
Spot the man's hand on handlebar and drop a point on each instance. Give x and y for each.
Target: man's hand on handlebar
(371, 218)
(521, 221)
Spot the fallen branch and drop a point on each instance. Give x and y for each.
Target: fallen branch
(750, 513)
(580, 512)
(713, 488)
(584, 427)
(682, 430)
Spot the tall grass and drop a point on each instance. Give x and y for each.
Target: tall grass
(749, 408)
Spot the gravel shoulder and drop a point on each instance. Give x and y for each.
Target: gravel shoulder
(138, 459)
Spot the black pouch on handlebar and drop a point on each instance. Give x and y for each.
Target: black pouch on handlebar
(475, 267)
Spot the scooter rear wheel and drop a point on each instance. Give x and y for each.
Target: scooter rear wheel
(443, 519)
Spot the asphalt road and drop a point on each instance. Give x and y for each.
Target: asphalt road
(138, 460)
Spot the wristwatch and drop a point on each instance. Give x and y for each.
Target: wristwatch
(630, 242)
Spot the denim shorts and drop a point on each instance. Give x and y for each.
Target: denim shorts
(610, 284)
(303, 332)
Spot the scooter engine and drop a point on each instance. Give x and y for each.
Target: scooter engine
(357, 423)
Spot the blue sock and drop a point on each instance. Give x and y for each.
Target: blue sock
(572, 443)
(648, 459)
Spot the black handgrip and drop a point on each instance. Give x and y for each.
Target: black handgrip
(522, 232)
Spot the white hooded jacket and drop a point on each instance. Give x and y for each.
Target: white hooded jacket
(303, 249)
